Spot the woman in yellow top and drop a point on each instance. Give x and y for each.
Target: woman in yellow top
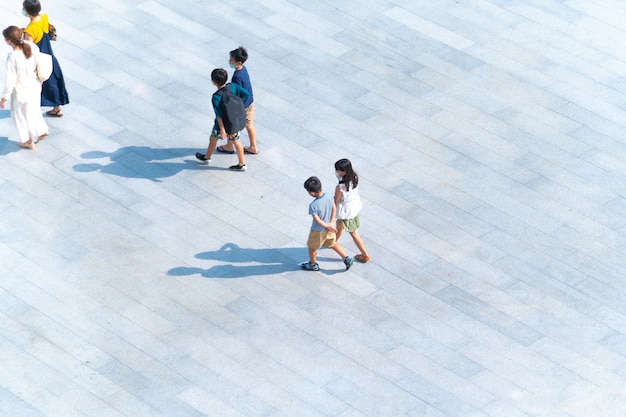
(53, 92)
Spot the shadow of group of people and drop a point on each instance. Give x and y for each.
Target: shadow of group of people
(140, 162)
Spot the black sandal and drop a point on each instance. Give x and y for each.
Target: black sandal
(222, 150)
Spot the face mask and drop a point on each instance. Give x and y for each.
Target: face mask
(232, 65)
(24, 13)
(339, 177)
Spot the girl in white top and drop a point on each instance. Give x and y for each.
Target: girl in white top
(348, 205)
(23, 87)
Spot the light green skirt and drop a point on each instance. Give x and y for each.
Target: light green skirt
(350, 225)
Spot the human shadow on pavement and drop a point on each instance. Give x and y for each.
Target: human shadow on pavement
(237, 262)
(142, 162)
(7, 147)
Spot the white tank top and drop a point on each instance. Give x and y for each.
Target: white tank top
(349, 203)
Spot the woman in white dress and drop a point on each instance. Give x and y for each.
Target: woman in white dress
(23, 88)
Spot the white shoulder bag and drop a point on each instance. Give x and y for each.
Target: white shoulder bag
(44, 66)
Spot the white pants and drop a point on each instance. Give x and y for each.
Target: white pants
(28, 119)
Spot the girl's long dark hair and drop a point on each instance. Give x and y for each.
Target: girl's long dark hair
(351, 179)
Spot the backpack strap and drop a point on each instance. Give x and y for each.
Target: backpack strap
(225, 88)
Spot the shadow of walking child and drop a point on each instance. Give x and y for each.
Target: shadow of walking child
(244, 262)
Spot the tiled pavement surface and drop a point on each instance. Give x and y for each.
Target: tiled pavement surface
(489, 136)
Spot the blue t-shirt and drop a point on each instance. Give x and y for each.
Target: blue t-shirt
(238, 90)
(323, 207)
(242, 78)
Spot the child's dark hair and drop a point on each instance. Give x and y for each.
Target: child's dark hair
(313, 185)
(239, 55)
(351, 179)
(32, 7)
(15, 36)
(219, 76)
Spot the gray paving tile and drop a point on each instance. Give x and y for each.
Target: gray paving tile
(15, 406)
(474, 307)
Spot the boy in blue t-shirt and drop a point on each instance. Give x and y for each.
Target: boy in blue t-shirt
(322, 229)
(237, 58)
(219, 76)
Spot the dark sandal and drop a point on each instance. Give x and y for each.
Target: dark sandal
(245, 150)
(55, 113)
(222, 150)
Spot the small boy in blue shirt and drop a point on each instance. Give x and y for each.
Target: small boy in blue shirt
(219, 77)
(237, 58)
(322, 229)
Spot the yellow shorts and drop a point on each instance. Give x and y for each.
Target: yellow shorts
(317, 239)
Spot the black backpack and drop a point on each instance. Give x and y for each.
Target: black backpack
(233, 112)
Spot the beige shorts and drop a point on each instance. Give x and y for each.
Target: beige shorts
(250, 115)
(317, 239)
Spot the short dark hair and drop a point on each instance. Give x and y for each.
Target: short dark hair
(32, 7)
(239, 55)
(313, 185)
(219, 76)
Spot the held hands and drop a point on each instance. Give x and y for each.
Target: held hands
(328, 226)
(2, 103)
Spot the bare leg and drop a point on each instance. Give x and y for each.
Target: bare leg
(239, 149)
(312, 256)
(252, 135)
(337, 248)
(211, 148)
(339, 228)
(358, 242)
